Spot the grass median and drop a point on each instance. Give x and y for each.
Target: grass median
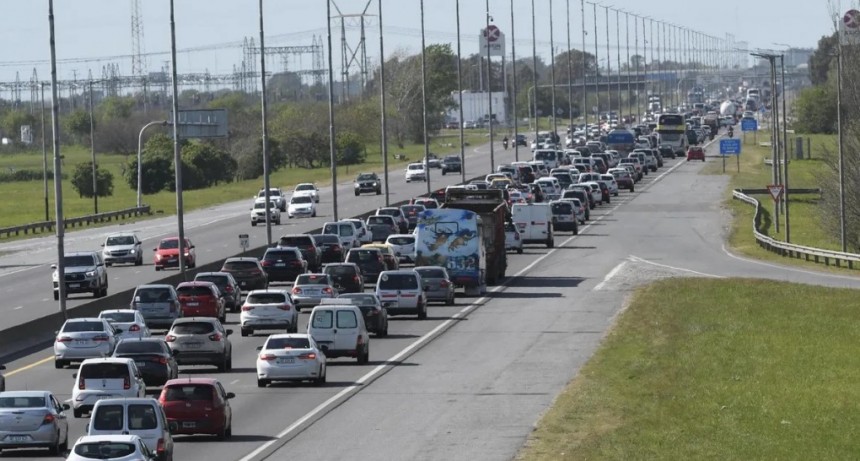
(24, 202)
(715, 369)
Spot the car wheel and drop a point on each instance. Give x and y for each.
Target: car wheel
(356, 193)
(278, 221)
(97, 293)
(520, 251)
(320, 379)
(229, 363)
(138, 262)
(64, 447)
(54, 450)
(78, 413)
(379, 192)
(157, 268)
(314, 214)
(244, 332)
(59, 364)
(253, 223)
(56, 296)
(222, 367)
(422, 310)
(631, 188)
(364, 356)
(108, 264)
(262, 382)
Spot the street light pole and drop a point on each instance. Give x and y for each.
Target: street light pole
(534, 71)
(44, 153)
(490, 88)
(552, 70)
(177, 158)
(139, 158)
(383, 123)
(332, 155)
(265, 130)
(514, 84)
(785, 152)
(424, 100)
(569, 72)
(93, 152)
(840, 146)
(58, 164)
(584, 71)
(460, 96)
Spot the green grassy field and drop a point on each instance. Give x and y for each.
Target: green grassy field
(727, 369)
(23, 202)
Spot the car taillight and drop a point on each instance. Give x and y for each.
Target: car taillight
(308, 356)
(134, 327)
(359, 342)
(64, 339)
(82, 383)
(48, 419)
(215, 337)
(284, 307)
(327, 290)
(101, 338)
(443, 284)
(247, 308)
(265, 264)
(160, 447)
(161, 360)
(337, 247)
(296, 291)
(126, 383)
(297, 263)
(267, 357)
(170, 338)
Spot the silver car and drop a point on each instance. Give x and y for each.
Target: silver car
(159, 305)
(437, 284)
(123, 247)
(33, 419)
(310, 289)
(129, 321)
(201, 341)
(84, 338)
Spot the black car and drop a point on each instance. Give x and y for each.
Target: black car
(247, 271)
(375, 316)
(537, 193)
(152, 357)
(284, 264)
(345, 276)
(667, 152)
(305, 243)
(381, 227)
(451, 164)
(367, 182)
(520, 140)
(329, 245)
(584, 197)
(369, 260)
(227, 286)
(411, 212)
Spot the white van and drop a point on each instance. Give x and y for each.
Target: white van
(143, 417)
(549, 157)
(534, 221)
(110, 377)
(337, 326)
(345, 231)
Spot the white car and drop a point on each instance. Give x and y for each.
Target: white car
(110, 448)
(415, 172)
(83, 338)
(276, 195)
(129, 321)
(307, 189)
(124, 247)
(268, 310)
(513, 240)
(403, 246)
(290, 357)
(611, 184)
(402, 293)
(258, 212)
(364, 234)
(106, 378)
(301, 206)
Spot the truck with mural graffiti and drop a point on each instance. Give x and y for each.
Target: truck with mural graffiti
(467, 236)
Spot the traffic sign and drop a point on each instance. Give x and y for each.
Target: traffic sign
(730, 146)
(775, 191)
(492, 32)
(849, 28)
(749, 124)
(244, 242)
(493, 38)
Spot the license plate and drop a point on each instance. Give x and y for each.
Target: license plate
(243, 283)
(194, 345)
(18, 438)
(280, 264)
(193, 304)
(172, 260)
(313, 292)
(81, 342)
(74, 285)
(286, 360)
(189, 424)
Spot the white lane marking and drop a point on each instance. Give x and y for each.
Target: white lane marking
(19, 270)
(323, 408)
(234, 382)
(666, 266)
(17, 308)
(609, 276)
(787, 268)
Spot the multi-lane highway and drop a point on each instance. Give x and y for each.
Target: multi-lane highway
(471, 381)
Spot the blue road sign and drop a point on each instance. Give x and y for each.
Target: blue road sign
(730, 146)
(749, 124)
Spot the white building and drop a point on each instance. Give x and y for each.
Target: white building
(476, 107)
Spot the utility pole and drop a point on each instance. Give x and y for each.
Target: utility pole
(459, 95)
(58, 164)
(629, 67)
(424, 101)
(534, 72)
(265, 130)
(382, 97)
(785, 153)
(608, 66)
(93, 152)
(44, 154)
(177, 158)
(596, 67)
(618, 56)
(513, 82)
(552, 71)
(569, 72)
(332, 153)
(584, 71)
(840, 146)
(490, 88)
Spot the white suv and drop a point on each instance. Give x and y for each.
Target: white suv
(403, 246)
(268, 310)
(105, 378)
(258, 212)
(276, 195)
(415, 172)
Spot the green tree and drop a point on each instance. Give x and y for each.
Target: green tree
(816, 110)
(822, 59)
(208, 165)
(158, 173)
(78, 125)
(114, 107)
(350, 148)
(13, 120)
(82, 180)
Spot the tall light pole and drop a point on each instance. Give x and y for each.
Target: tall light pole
(177, 158)
(840, 147)
(460, 96)
(514, 85)
(785, 151)
(93, 152)
(265, 130)
(44, 153)
(608, 65)
(58, 164)
(552, 71)
(584, 70)
(332, 153)
(596, 66)
(534, 71)
(618, 56)
(639, 59)
(629, 67)
(490, 88)
(140, 162)
(569, 71)
(383, 120)
(424, 100)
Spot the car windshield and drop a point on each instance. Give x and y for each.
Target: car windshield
(431, 273)
(388, 211)
(288, 343)
(140, 347)
(22, 402)
(262, 205)
(274, 255)
(312, 279)
(104, 370)
(366, 177)
(240, 265)
(79, 261)
(301, 199)
(193, 290)
(428, 203)
(193, 328)
(339, 269)
(412, 209)
(120, 240)
(401, 240)
(326, 239)
(105, 450)
(398, 282)
(73, 327)
(187, 392)
(266, 298)
(416, 166)
(169, 244)
(360, 299)
(305, 187)
(118, 316)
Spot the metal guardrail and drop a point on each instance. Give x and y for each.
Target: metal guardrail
(788, 249)
(48, 226)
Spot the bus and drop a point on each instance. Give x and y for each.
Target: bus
(672, 129)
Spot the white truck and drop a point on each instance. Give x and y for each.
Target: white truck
(534, 221)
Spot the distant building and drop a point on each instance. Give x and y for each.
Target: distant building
(476, 107)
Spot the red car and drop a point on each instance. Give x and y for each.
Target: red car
(198, 406)
(695, 153)
(167, 254)
(201, 299)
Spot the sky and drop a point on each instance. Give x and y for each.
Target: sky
(93, 33)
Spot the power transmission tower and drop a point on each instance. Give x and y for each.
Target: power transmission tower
(137, 48)
(350, 56)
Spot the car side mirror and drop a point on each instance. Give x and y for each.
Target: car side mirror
(229, 332)
(65, 406)
(155, 249)
(231, 395)
(192, 247)
(259, 348)
(118, 330)
(324, 348)
(75, 375)
(2, 367)
(103, 245)
(174, 352)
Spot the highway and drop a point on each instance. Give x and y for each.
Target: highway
(471, 381)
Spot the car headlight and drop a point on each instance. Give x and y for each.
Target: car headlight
(158, 257)
(133, 251)
(374, 184)
(91, 273)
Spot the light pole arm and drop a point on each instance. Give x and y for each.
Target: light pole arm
(139, 163)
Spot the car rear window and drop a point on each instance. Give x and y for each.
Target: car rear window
(431, 273)
(312, 279)
(220, 280)
(428, 204)
(411, 209)
(153, 295)
(79, 261)
(339, 269)
(72, 327)
(323, 318)
(240, 265)
(140, 347)
(295, 241)
(109, 418)
(561, 208)
(104, 371)
(398, 282)
(142, 417)
(168, 244)
(22, 402)
(194, 291)
(360, 299)
(288, 343)
(120, 240)
(193, 328)
(104, 450)
(118, 316)
(188, 392)
(379, 220)
(346, 319)
(266, 298)
(322, 239)
(362, 255)
(401, 240)
(388, 212)
(301, 199)
(281, 255)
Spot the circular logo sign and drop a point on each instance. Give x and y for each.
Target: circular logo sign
(851, 19)
(492, 33)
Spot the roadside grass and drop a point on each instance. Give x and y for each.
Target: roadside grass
(726, 369)
(804, 208)
(23, 202)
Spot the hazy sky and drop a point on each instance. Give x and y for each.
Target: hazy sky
(88, 29)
